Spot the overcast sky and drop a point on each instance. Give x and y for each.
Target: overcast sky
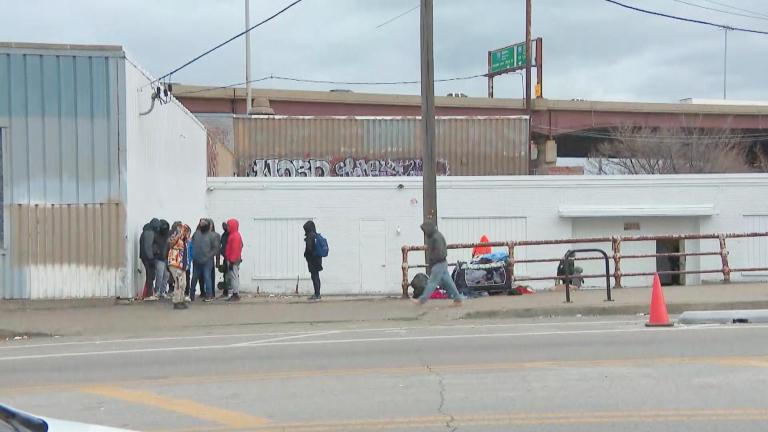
(592, 49)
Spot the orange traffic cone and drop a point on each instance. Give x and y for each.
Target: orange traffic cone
(659, 317)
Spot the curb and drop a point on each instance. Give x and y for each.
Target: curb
(724, 317)
(575, 309)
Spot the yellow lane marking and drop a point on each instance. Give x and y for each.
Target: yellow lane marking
(519, 419)
(757, 361)
(230, 419)
(746, 361)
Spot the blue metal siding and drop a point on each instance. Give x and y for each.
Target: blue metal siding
(61, 110)
(62, 118)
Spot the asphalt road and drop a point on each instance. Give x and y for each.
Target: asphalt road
(536, 375)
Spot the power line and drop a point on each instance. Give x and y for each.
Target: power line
(736, 8)
(280, 12)
(690, 20)
(312, 81)
(399, 16)
(720, 10)
(316, 81)
(202, 90)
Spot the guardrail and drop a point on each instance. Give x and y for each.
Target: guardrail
(616, 256)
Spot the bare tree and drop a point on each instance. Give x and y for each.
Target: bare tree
(645, 150)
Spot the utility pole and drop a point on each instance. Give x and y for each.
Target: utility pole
(428, 114)
(248, 101)
(725, 65)
(528, 56)
(528, 107)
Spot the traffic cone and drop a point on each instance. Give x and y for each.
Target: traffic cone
(659, 317)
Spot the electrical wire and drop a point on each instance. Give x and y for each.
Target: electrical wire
(266, 20)
(690, 20)
(315, 81)
(371, 83)
(399, 16)
(206, 89)
(720, 10)
(736, 8)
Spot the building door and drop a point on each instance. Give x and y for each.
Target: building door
(373, 257)
(669, 263)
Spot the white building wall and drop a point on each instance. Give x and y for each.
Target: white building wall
(367, 221)
(165, 163)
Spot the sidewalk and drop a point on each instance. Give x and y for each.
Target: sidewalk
(105, 317)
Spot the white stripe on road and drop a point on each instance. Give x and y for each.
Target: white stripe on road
(372, 340)
(244, 335)
(153, 339)
(277, 339)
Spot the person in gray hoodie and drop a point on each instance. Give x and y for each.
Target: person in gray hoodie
(437, 253)
(205, 246)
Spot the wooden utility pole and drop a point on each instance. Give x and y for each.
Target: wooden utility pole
(428, 114)
(248, 94)
(528, 107)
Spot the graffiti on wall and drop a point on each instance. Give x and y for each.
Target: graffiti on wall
(342, 167)
(289, 168)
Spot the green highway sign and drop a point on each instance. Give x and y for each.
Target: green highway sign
(507, 59)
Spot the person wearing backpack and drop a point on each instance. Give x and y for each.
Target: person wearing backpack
(315, 248)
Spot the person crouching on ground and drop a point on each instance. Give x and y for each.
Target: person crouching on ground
(437, 253)
(178, 262)
(233, 257)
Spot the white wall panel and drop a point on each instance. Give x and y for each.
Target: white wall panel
(166, 165)
(277, 247)
(753, 252)
(504, 208)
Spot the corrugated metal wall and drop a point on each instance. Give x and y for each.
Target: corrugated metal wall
(63, 201)
(347, 146)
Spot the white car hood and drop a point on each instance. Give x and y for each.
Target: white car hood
(55, 425)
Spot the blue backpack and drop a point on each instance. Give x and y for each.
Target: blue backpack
(321, 246)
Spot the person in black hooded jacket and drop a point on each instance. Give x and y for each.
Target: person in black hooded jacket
(147, 255)
(314, 262)
(224, 268)
(160, 247)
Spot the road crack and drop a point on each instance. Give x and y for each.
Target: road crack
(449, 424)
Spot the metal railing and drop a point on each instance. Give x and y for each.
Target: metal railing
(570, 256)
(616, 256)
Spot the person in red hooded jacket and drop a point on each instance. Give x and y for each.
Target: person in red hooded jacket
(233, 256)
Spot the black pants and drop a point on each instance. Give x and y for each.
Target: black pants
(213, 281)
(149, 278)
(316, 282)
